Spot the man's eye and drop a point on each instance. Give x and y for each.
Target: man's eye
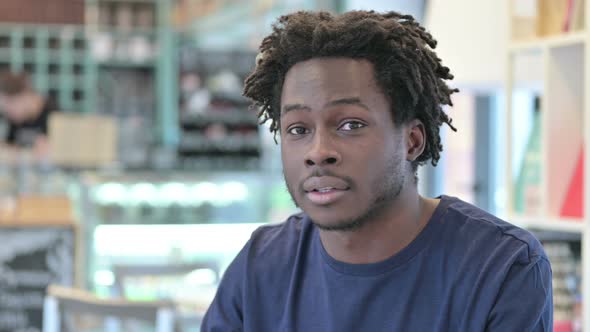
(352, 125)
(297, 131)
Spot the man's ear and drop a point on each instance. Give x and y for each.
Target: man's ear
(416, 139)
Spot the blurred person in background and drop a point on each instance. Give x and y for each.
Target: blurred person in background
(26, 113)
(358, 101)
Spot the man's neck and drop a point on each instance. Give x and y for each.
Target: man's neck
(384, 236)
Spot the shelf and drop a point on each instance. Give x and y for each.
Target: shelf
(548, 236)
(226, 117)
(75, 107)
(31, 29)
(549, 224)
(536, 45)
(127, 64)
(198, 143)
(234, 98)
(52, 56)
(221, 19)
(55, 80)
(117, 32)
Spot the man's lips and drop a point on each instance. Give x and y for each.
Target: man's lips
(325, 197)
(324, 183)
(324, 190)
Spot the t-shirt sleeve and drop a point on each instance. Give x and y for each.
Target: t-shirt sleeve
(225, 312)
(525, 300)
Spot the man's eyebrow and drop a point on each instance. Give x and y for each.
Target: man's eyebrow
(295, 107)
(347, 101)
(343, 101)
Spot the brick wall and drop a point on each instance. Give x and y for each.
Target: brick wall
(42, 11)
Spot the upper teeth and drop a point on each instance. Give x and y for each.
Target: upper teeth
(323, 190)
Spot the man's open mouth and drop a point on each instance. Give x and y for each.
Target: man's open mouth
(325, 190)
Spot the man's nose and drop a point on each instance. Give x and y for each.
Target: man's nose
(322, 151)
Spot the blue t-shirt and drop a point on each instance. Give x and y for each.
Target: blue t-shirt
(466, 271)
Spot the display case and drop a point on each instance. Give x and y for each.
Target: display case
(153, 236)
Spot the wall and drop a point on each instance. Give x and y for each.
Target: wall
(472, 40)
(471, 35)
(412, 7)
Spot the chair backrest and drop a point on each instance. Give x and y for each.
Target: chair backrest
(62, 299)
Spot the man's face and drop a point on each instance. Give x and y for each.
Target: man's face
(15, 108)
(344, 160)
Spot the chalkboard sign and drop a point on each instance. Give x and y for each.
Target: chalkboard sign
(31, 258)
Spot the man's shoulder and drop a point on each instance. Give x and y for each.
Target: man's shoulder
(490, 234)
(269, 241)
(270, 247)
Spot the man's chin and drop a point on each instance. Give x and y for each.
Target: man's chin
(325, 219)
(337, 226)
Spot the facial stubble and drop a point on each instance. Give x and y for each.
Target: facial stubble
(387, 190)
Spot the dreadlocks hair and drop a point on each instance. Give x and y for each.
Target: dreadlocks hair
(406, 68)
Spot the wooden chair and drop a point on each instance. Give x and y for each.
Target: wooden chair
(183, 319)
(62, 300)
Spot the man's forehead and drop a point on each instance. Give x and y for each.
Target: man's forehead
(338, 77)
(329, 67)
